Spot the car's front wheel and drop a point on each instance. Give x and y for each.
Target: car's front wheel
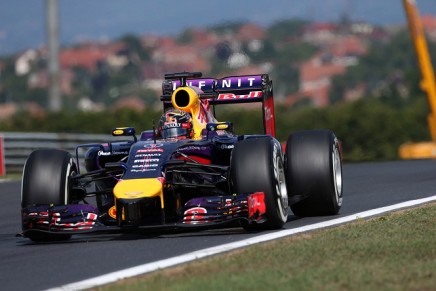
(46, 181)
(257, 166)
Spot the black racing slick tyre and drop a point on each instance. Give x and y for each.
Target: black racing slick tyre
(314, 173)
(257, 166)
(46, 177)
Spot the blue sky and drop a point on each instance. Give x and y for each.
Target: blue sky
(22, 23)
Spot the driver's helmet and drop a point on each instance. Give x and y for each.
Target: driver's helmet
(175, 123)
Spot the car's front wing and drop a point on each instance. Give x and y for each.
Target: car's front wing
(200, 213)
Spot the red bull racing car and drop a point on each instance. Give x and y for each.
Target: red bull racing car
(191, 171)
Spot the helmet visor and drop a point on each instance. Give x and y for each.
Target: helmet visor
(174, 132)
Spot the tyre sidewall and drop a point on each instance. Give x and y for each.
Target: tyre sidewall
(310, 174)
(46, 178)
(253, 164)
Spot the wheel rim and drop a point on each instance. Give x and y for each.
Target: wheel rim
(280, 185)
(70, 172)
(337, 174)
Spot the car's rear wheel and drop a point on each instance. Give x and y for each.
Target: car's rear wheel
(314, 172)
(257, 166)
(46, 181)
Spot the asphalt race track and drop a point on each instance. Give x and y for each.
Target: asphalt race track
(30, 266)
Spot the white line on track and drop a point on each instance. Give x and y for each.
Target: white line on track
(154, 266)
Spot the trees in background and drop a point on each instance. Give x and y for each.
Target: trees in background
(370, 129)
(389, 71)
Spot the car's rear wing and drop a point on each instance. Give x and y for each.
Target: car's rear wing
(232, 89)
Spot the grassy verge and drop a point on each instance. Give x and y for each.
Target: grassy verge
(392, 252)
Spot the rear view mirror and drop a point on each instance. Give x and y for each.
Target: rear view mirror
(124, 131)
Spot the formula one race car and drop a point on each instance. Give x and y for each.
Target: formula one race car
(190, 172)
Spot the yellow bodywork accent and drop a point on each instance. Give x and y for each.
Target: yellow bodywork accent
(118, 132)
(222, 126)
(193, 108)
(139, 188)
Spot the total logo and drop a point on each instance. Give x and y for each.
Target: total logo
(113, 212)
